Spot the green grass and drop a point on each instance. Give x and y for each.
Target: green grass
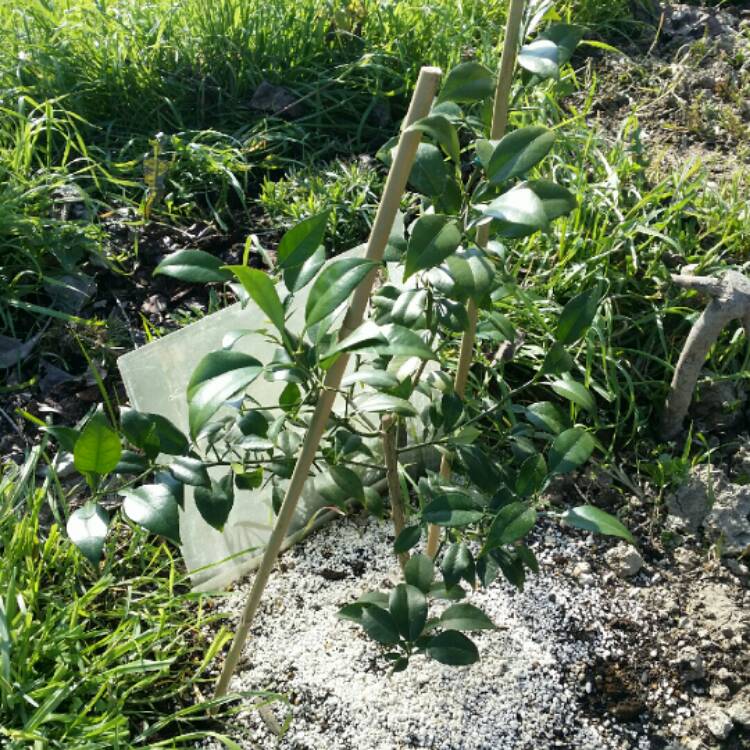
(110, 658)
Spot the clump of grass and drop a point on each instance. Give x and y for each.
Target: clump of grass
(350, 190)
(116, 657)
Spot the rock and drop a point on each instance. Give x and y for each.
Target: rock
(690, 663)
(739, 708)
(624, 560)
(580, 569)
(717, 722)
(277, 101)
(708, 499)
(718, 690)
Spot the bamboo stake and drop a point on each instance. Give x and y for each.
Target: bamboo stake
(421, 101)
(497, 131)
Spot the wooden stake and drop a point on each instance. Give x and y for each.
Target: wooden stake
(497, 131)
(421, 101)
(389, 428)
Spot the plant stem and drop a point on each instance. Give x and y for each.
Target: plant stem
(389, 424)
(421, 102)
(497, 130)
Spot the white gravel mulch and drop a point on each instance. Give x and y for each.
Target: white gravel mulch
(532, 688)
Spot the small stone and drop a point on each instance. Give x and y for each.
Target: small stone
(580, 569)
(739, 708)
(717, 722)
(690, 663)
(624, 560)
(718, 690)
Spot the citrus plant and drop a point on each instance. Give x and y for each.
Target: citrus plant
(506, 442)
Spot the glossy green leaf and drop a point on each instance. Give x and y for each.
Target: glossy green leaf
(64, 436)
(557, 360)
(298, 277)
(249, 480)
(131, 463)
(87, 529)
(511, 523)
(457, 564)
(215, 503)
(408, 538)
(195, 266)
(190, 471)
(540, 57)
(433, 238)
(218, 376)
(531, 475)
(575, 392)
(566, 36)
(479, 467)
(379, 624)
(591, 518)
(467, 274)
(452, 509)
(453, 648)
(409, 308)
(301, 243)
(516, 213)
(419, 572)
(519, 151)
(388, 340)
(577, 316)
(334, 285)
(429, 173)
(154, 507)
(375, 378)
(97, 449)
(442, 131)
(570, 450)
(408, 607)
(152, 433)
(467, 82)
(348, 480)
(556, 200)
(465, 616)
(545, 415)
(379, 403)
(263, 292)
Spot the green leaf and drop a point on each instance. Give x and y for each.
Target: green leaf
(379, 403)
(468, 82)
(511, 523)
(590, 518)
(193, 266)
(566, 36)
(388, 340)
(429, 173)
(152, 433)
(301, 243)
(408, 607)
(442, 131)
(263, 292)
(545, 415)
(218, 376)
(409, 308)
(452, 648)
(433, 238)
(249, 480)
(467, 274)
(577, 315)
(557, 360)
(253, 423)
(575, 392)
(540, 57)
(556, 200)
(298, 277)
(518, 152)
(64, 436)
(531, 475)
(464, 616)
(570, 450)
(408, 538)
(98, 449)
(379, 625)
(479, 467)
(452, 509)
(450, 593)
(334, 285)
(349, 481)
(154, 507)
(87, 529)
(419, 572)
(375, 378)
(457, 564)
(516, 213)
(215, 503)
(190, 471)
(131, 463)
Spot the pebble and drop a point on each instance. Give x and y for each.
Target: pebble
(690, 663)
(624, 560)
(717, 722)
(739, 708)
